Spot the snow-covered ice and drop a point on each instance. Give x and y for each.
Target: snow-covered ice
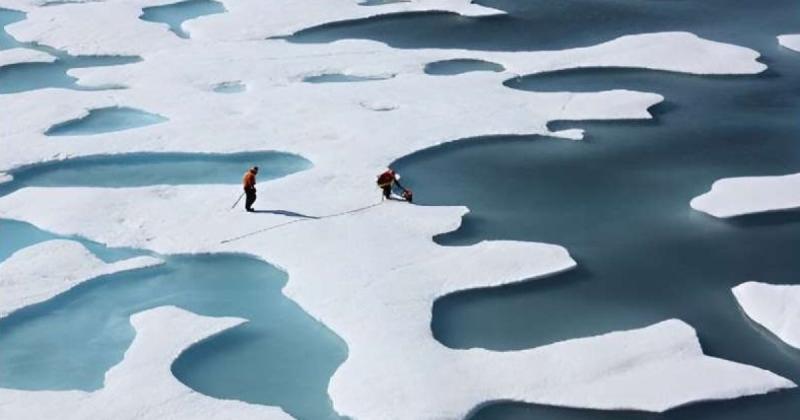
(368, 271)
(14, 56)
(790, 41)
(775, 307)
(731, 197)
(316, 120)
(377, 293)
(142, 386)
(39, 272)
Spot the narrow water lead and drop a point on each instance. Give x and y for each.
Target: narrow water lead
(8, 17)
(343, 78)
(460, 66)
(143, 169)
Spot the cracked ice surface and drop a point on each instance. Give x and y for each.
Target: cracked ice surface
(39, 272)
(142, 386)
(338, 269)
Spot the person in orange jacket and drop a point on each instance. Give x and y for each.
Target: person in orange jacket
(249, 184)
(389, 179)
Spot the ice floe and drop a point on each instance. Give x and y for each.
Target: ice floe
(377, 293)
(790, 41)
(775, 307)
(731, 197)
(24, 55)
(142, 386)
(369, 271)
(39, 272)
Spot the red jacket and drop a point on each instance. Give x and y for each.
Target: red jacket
(386, 178)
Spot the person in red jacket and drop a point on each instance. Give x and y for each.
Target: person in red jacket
(249, 184)
(389, 179)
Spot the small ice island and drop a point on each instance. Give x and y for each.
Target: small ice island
(129, 123)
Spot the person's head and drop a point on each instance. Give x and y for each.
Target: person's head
(254, 169)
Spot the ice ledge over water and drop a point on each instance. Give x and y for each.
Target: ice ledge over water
(378, 298)
(142, 386)
(775, 307)
(731, 197)
(790, 41)
(42, 271)
(24, 55)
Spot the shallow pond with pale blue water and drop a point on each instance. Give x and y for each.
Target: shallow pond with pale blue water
(619, 201)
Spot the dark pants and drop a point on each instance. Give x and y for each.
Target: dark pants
(250, 198)
(387, 191)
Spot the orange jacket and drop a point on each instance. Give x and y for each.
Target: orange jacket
(249, 180)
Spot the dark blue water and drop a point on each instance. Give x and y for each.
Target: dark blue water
(175, 14)
(30, 76)
(557, 24)
(460, 66)
(619, 201)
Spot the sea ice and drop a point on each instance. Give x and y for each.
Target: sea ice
(775, 307)
(369, 271)
(142, 386)
(24, 55)
(314, 120)
(790, 41)
(731, 197)
(378, 297)
(39, 272)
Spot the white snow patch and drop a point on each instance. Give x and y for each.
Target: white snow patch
(790, 41)
(775, 307)
(731, 197)
(39, 272)
(14, 56)
(5, 178)
(370, 277)
(142, 386)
